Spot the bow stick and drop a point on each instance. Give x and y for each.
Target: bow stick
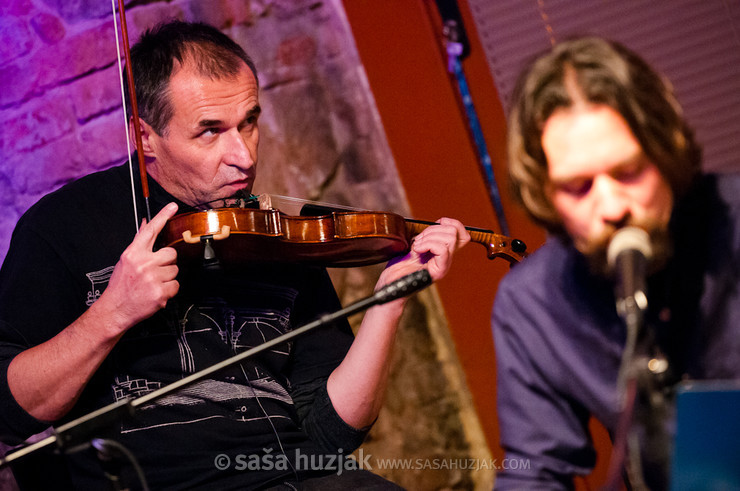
(134, 112)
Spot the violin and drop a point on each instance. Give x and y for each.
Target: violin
(323, 235)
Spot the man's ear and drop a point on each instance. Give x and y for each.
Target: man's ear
(148, 141)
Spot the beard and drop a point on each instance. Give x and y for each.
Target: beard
(595, 249)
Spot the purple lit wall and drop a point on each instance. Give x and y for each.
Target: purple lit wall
(58, 99)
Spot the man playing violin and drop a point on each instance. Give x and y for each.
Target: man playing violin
(598, 143)
(93, 312)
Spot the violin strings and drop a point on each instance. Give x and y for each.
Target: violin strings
(238, 201)
(290, 199)
(125, 118)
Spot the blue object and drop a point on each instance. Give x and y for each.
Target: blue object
(706, 452)
(454, 51)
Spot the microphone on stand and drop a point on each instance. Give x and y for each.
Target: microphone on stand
(639, 386)
(628, 255)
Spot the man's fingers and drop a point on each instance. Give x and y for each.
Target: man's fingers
(166, 255)
(168, 273)
(450, 233)
(149, 231)
(463, 236)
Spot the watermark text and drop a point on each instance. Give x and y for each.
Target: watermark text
(341, 462)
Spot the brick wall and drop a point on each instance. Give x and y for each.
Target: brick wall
(60, 98)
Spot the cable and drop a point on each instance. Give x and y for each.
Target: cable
(110, 451)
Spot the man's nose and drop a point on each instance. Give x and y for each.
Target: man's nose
(238, 152)
(612, 202)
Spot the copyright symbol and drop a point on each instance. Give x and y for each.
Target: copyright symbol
(222, 462)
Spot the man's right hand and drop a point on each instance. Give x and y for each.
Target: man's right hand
(47, 379)
(143, 280)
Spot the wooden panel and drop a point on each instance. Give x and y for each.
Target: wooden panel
(694, 42)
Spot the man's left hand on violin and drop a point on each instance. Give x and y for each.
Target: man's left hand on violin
(432, 249)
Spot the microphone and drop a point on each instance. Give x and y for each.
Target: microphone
(628, 255)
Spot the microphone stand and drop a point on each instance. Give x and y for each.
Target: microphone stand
(630, 385)
(77, 434)
(640, 383)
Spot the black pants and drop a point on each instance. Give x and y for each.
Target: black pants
(353, 479)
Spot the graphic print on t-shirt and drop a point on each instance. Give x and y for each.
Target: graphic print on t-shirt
(205, 333)
(98, 282)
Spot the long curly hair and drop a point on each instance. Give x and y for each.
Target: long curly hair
(605, 73)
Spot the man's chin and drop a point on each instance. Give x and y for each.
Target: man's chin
(232, 198)
(596, 259)
(595, 250)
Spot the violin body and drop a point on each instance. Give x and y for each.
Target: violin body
(326, 237)
(339, 239)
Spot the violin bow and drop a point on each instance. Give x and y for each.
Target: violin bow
(134, 112)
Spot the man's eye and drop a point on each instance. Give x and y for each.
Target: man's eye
(578, 187)
(249, 123)
(209, 132)
(628, 173)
